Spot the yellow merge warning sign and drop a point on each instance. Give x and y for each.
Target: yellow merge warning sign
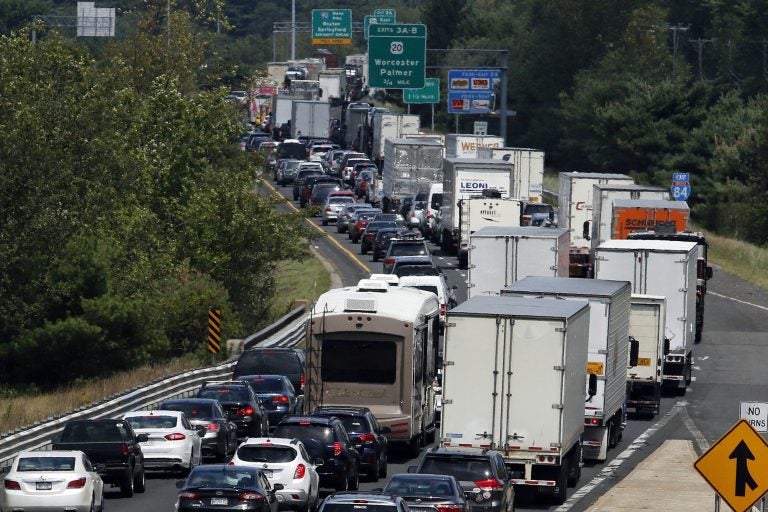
(595, 367)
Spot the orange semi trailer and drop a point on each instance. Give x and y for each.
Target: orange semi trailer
(631, 215)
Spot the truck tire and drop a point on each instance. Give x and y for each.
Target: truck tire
(126, 485)
(140, 482)
(559, 492)
(574, 466)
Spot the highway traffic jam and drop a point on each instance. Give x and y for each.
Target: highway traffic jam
(596, 303)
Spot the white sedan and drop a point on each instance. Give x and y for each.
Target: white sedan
(286, 462)
(53, 480)
(173, 444)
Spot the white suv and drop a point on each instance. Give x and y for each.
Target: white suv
(283, 461)
(437, 285)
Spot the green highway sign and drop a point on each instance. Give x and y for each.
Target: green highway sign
(331, 26)
(385, 12)
(378, 19)
(430, 93)
(397, 55)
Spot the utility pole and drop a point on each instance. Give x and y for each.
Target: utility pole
(675, 29)
(504, 66)
(700, 50)
(293, 29)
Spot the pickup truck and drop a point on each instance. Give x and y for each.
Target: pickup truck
(112, 446)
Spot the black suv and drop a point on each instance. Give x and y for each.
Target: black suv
(491, 489)
(241, 404)
(327, 439)
(369, 438)
(363, 502)
(273, 361)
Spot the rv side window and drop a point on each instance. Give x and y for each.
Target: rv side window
(419, 361)
(362, 361)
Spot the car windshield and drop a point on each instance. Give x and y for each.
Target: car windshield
(314, 437)
(153, 421)
(537, 208)
(269, 362)
(461, 468)
(46, 464)
(194, 411)
(223, 478)
(418, 249)
(265, 452)
(403, 485)
(94, 432)
(261, 385)
(387, 234)
(225, 394)
(375, 226)
(437, 201)
(355, 424)
(341, 199)
(416, 270)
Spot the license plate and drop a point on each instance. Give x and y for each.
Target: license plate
(219, 501)
(43, 486)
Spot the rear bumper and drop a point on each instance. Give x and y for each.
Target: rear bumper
(292, 498)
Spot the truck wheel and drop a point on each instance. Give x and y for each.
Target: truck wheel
(574, 466)
(140, 482)
(559, 492)
(414, 446)
(126, 486)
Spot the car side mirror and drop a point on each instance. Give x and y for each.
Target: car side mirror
(592, 388)
(142, 438)
(277, 487)
(201, 430)
(180, 484)
(319, 462)
(634, 351)
(412, 469)
(56, 438)
(709, 272)
(386, 430)
(101, 468)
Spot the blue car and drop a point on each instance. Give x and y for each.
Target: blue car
(277, 395)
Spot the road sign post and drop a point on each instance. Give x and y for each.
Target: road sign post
(681, 187)
(331, 26)
(397, 56)
(736, 467)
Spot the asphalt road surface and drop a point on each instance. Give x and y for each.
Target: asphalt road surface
(729, 368)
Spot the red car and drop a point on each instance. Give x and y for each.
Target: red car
(362, 222)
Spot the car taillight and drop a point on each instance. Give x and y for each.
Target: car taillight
(526, 219)
(124, 449)
(302, 380)
(328, 209)
(367, 437)
(189, 495)
(336, 448)
(281, 399)
(301, 470)
(176, 436)
(246, 411)
(443, 309)
(370, 235)
(76, 484)
(213, 427)
(448, 508)
(250, 496)
(12, 485)
(389, 261)
(490, 483)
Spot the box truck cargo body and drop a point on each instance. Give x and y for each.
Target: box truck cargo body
(603, 197)
(647, 316)
(282, 110)
(500, 256)
(479, 212)
(387, 125)
(609, 303)
(333, 84)
(410, 166)
(513, 381)
(469, 177)
(574, 203)
(666, 268)
(529, 169)
(464, 145)
(640, 215)
(312, 118)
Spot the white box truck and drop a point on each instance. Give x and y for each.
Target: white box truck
(333, 84)
(666, 268)
(282, 110)
(465, 145)
(513, 381)
(410, 166)
(500, 256)
(604, 413)
(529, 169)
(478, 212)
(469, 177)
(603, 197)
(647, 317)
(312, 118)
(574, 211)
(387, 125)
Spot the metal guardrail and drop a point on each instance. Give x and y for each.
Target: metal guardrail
(286, 332)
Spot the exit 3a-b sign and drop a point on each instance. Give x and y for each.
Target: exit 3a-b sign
(756, 413)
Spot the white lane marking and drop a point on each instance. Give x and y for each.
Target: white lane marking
(702, 358)
(611, 467)
(462, 274)
(739, 301)
(693, 429)
(697, 368)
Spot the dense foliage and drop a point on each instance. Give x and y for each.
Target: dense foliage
(127, 207)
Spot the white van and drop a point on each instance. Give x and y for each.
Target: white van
(437, 285)
(434, 202)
